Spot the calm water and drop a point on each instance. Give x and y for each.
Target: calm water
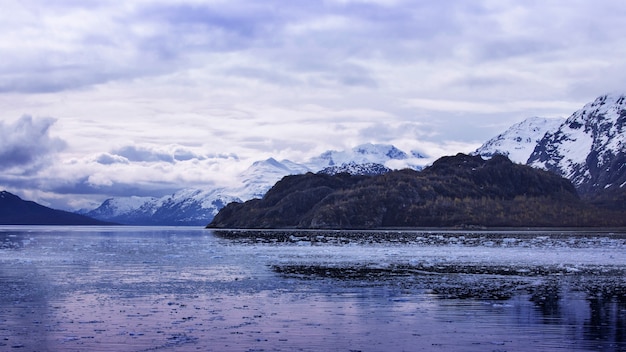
(188, 289)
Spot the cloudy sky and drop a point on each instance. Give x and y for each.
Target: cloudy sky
(144, 97)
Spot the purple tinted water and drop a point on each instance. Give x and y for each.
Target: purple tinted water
(187, 289)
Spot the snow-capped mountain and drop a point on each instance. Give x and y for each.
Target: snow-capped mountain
(117, 207)
(257, 179)
(519, 141)
(363, 154)
(185, 207)
(589, 148)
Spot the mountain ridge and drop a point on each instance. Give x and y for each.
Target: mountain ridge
(16, 211)
(519, 141)
(188, 207)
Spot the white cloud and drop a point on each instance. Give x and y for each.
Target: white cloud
(108, 159)
(99, 180)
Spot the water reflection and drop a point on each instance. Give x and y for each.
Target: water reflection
(607, 322)
(131, 289)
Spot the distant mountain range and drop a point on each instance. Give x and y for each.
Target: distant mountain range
(16, 211)
(184, 208)
(198, 207)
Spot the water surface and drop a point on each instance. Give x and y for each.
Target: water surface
(188, 289)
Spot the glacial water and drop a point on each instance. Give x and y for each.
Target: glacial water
(192, 289)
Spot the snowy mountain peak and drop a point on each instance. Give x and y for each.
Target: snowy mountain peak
(610, 101)
(361, 154)
(519, 141)
(272, 165)
(261, 175)
(589, 148)
(268, 163)
(114, 207)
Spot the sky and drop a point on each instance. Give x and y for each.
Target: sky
(103, 99)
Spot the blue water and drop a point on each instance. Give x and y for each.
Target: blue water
(191, 289)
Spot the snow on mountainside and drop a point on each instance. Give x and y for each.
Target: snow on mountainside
(519, 141)
(261, 175)
(186, 207)
(589, 148)
(191, 206)
(115, 207)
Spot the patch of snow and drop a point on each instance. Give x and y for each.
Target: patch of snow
(116, 206)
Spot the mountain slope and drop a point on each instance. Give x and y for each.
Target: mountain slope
(518, 142)
(455, 191)
(184, 208)
(589, 148)
(257, 179)
(16, 211)
(115, 209)
(190, 207)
